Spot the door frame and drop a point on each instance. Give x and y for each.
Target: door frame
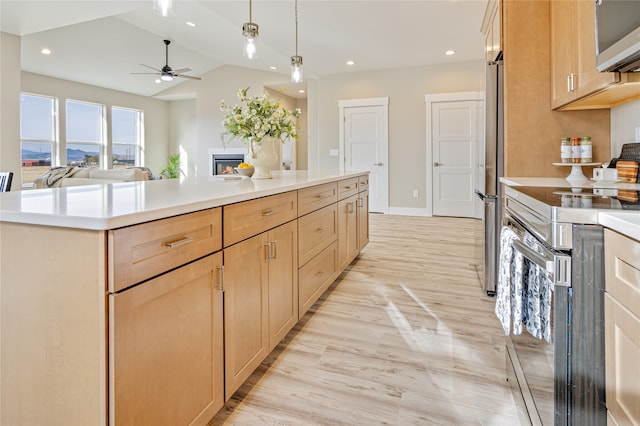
(365, 102)
(429, 101)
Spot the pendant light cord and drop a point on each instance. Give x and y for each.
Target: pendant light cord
(296, 8)
(250, 17)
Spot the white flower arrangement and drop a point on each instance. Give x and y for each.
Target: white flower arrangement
(258, 118)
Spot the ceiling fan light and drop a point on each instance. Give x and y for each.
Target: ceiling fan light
(166, 77)
(250, 33)
(296, 69)
(163, 8)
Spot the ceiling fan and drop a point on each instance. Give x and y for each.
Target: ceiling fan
(166, 73)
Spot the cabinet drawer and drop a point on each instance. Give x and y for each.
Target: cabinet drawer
(316, 276)
(363, 183)
(316, 197)
(622, 351)
(142, 251)
(249, 218)
(347, 188)
(316, 231)
(622, 269)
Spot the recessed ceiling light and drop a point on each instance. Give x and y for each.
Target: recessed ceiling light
(273, 68)
(158, 81)
(449, 52)
(300, 91)
(45, 51)
(191, 24)
(350, 63)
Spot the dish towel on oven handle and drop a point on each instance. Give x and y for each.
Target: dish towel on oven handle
(537, 299)
(509, 278)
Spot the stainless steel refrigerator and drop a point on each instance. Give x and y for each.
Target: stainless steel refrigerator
(491, 194)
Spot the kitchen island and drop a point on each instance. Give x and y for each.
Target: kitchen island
(151, 302)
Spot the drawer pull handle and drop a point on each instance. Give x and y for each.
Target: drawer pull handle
(273, 246)
(319, 274)
(269, 213)
(350, 208)
(178, 243)
(347, 188)
(360, 202)
(320, 230)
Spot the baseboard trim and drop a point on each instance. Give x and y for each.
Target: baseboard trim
(408, 211)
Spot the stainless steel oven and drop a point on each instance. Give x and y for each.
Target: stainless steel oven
(562, 382)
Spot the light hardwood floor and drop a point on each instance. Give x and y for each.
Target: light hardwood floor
(405, 336)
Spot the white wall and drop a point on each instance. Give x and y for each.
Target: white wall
(405, 89)
(625, 126)
(10, 107)
(156, 112)
(182, 133)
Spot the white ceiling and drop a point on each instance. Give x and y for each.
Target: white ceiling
(101, 42)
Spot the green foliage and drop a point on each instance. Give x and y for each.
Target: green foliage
(260, 117)
(172, 169)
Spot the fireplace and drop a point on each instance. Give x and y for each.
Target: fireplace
(223, 162)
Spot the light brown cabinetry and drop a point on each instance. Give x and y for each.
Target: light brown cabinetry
(347, 231)
(143, 251)
(622, 328)
(166, 359)
(315, 197)
(316, 231)
(573, 53)
(362, 207)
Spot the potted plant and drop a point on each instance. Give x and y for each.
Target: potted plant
(172, 169)
(259, 122)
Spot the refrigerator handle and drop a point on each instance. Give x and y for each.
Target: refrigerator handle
(486, 198)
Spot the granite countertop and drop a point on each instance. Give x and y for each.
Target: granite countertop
(622, 221)
(110, 206)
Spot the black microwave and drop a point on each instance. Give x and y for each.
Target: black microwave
(617, 35)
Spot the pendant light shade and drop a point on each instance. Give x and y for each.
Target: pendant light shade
(163, 8)
(296, 60)
(250, 33)
(296, 69)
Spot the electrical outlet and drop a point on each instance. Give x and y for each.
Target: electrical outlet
(334, 152)
(415, 193)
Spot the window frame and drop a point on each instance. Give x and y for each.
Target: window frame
(54, 142)
(138, 145)
(102, 145)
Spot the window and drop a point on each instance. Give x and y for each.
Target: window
(126, 137)
(38, 135)
(85, 134)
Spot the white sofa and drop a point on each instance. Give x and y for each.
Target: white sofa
(73, 176)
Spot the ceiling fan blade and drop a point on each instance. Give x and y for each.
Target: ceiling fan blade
(153, 73)
(188, 76)
(155, 69)
(181, 70)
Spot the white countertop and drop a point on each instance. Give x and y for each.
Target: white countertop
(110, 206)
(623, 221)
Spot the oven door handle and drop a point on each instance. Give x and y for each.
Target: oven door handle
(557, 266)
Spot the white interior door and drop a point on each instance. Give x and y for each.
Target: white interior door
(364, 145)
(455, 134)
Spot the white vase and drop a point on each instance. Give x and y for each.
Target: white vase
(262, 156)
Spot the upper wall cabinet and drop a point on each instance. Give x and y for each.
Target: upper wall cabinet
(492, 30)
(575, 81)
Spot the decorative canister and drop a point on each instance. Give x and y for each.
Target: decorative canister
(565, 150)
(575, 150)
(586, 152)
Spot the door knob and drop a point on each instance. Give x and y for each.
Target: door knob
(378, 164)
(436, 164)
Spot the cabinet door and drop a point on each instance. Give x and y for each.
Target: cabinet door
(622, 343)
(363, 219)
(246, 327)
(283, 281)
(165, 348)
(347, 231)
(564, 66)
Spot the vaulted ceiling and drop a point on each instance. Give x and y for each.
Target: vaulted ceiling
(101, 42)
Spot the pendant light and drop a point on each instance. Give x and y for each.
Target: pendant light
(250, 33)
(296, 60)
(163, 7)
